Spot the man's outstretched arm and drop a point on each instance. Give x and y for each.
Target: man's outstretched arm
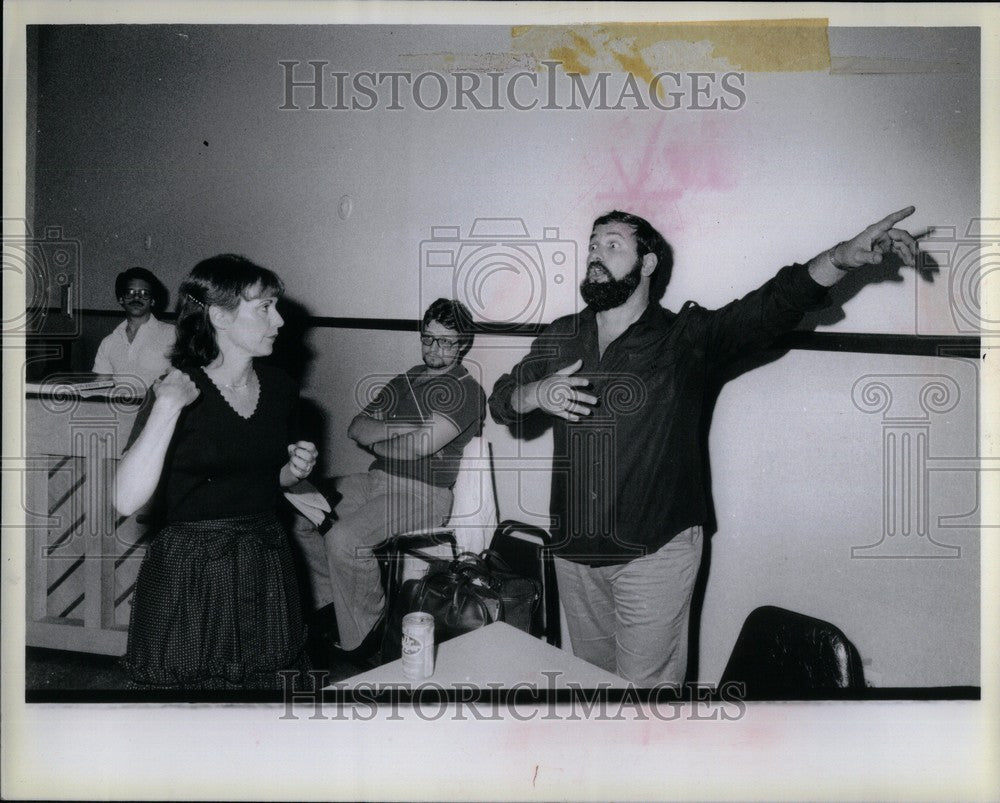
(754, 321)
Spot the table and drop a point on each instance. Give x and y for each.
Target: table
(497, 656)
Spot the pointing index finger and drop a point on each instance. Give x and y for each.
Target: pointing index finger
(889, 221)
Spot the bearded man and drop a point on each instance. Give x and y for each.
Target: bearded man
(625, 383)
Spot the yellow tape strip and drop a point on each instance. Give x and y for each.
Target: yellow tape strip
(645, 49)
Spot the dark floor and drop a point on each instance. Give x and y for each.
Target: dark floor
(60, 670)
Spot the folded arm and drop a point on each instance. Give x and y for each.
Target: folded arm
(411, 442)
(367, 430)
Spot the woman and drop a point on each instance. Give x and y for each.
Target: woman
(216, 602)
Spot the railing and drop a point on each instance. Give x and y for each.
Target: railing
(82, 557)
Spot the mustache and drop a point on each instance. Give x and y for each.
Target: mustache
(600, 266)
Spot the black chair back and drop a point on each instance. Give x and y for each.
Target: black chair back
(524, 548)
(780, 654)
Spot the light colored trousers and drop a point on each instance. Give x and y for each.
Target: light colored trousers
(341, 565)
(632, 619)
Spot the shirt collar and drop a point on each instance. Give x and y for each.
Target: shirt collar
(653, 317)
(457, 370)
(153, 323)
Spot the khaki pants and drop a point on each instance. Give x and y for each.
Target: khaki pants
(632, 619)
(341, 565)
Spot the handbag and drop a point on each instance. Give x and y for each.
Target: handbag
(462, 594)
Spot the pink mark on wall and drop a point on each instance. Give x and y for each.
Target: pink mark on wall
(653, 172)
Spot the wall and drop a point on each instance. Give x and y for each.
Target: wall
(162, 145)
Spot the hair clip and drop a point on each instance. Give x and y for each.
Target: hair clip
(195, 300)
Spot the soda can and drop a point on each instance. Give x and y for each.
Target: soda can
(418, 645)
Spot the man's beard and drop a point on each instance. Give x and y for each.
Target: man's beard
(612, 293)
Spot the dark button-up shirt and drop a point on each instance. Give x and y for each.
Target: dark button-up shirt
(631, 475)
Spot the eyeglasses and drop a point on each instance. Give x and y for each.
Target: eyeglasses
(137, 294)
(443, 343)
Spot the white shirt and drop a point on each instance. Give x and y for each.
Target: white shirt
(147, 356)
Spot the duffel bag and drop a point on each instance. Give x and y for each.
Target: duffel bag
(462, 594)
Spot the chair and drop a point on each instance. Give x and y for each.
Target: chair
(470, 522)
(473, 514)
(780, 654)
(523, 547)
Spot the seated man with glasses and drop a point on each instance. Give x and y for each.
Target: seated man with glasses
(416, 426)
(140, 345)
